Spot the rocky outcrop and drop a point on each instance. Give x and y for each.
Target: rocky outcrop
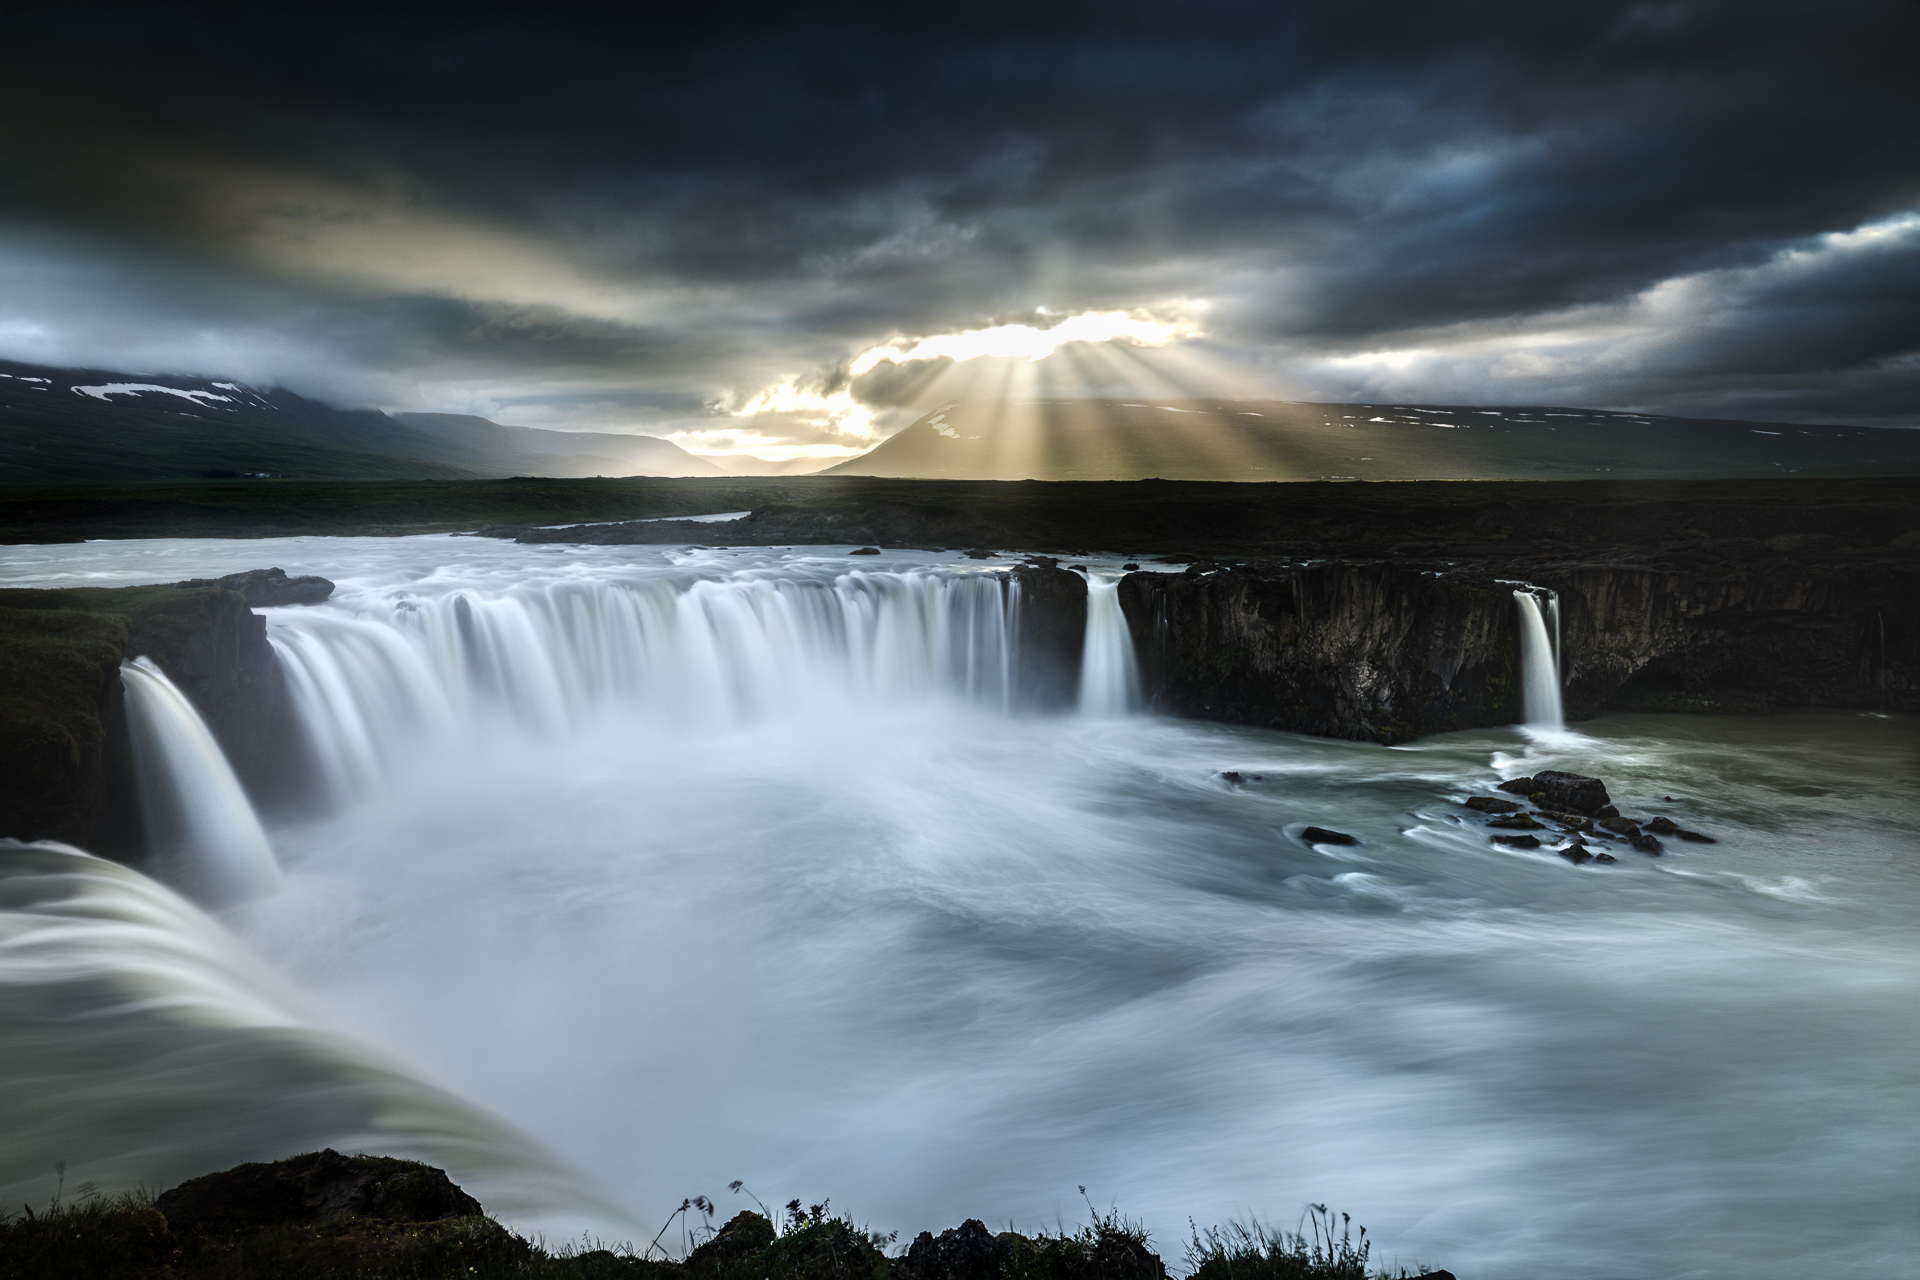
(1736, 636)
(267, 588)
(1049, 608)
(321, 1187)
(1384, 652)
(63, 740)
(1374, 651)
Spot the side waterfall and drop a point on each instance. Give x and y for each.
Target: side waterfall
(199, 822)
(695, 654)
(1109, 674)
(1540, 659)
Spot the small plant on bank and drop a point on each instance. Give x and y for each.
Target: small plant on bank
(1325, 1248)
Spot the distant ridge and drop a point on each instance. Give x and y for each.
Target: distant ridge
(96, 426)
(1285, 440)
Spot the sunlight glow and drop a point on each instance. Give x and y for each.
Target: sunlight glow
(840, 409)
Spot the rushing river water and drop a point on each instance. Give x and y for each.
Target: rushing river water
(704, 865)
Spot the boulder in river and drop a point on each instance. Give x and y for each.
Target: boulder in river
(1517, 822)
(1645, 844)
(1488, 804)
(1320, 835)
(1621, 826)
(864, 551)
(1576, 854)
(1574, 791)
(1518, 842)
(1519, 786)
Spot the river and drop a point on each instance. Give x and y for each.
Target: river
(706, 865)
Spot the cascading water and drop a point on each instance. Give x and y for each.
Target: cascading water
(1540, 659)
(689, 654)
(200, 826)
(1109, 674)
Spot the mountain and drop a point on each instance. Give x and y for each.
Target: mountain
(60, 426)
(91, 425)
(1285, 440)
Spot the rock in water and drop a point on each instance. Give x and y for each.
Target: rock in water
(1645, 844)
(1320, 835)
(1518, 842)
(1519, 786)
(268, 588)
(1573, 791)
(864, 551)
(1576, 854)
(319, 1187)
(1488, 804)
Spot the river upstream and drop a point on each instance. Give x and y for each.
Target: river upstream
(714, 865)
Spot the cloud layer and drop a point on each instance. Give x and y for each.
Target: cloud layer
(1690, 207)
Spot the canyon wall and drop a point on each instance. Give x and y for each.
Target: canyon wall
(1384, 652)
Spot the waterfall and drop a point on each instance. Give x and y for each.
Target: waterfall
(1109, 675)
(200, 826)
(689, 653)
(1540, 659)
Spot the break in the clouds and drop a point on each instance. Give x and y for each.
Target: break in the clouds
(787, 231)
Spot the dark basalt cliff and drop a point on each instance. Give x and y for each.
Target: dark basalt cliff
(1370, 651)
(65, 769)
(1834, 633)
(1386, 652)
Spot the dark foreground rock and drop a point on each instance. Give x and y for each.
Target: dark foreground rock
(329, 1215)
(320, 1187)
(1321, 835)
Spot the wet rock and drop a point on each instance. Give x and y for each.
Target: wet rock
(1519, 786)
(1573, 791)
(1620, 826)
(267, 588)
(864, 551)
(1696, 837)
(1606, 811)
(975, 553)
(1130, 567)
(1232, 778)
(1320, 835)
(1661, 826)
(1517, 822)
(966, 1252)
(1568, 821)
(1488, 804)
(1576, 854)
(1605, 858)
(1645, 844)
(321, 1187)
(1518, 842)
(747, 1232)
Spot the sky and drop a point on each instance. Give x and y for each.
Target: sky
(790, 229)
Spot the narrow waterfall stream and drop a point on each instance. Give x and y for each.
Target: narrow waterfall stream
(1540, 658)
(200, 825)
(1109, 672)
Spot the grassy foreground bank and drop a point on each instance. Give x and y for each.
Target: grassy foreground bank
(324, 1216)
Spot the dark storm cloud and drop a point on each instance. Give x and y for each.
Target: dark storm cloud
(683, 210)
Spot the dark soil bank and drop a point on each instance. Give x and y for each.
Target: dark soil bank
(325, 1215)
